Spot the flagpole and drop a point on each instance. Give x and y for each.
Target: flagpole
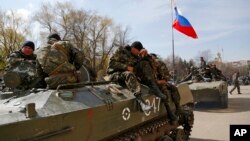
(173, 40)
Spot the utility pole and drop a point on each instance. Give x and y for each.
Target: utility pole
(174, 73)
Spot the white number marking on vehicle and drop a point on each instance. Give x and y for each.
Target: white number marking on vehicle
(155, 104)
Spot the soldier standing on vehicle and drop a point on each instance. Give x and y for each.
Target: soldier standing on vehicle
(126, 66)
(202, 63)
(235, 82)
(59, 61)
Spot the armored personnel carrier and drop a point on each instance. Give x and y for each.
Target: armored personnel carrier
(88, 111)
(208, 91)
(210, 94)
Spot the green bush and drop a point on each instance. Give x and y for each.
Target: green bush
(2, 65)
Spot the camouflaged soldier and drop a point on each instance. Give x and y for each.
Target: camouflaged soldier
(216, 74)
(162, 75)
(121, 70)
(126, 65)
(59, 61)
(202, 63)
(26, 53)
(144, 70)
(15, 75)
(236, 83)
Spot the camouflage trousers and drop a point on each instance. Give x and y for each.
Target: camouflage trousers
(236, 86)
(64, 78)
(128, 79)
(171, 92)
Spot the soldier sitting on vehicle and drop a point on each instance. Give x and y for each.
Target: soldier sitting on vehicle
(207, 74)
(127, 65)
(216, 73)
(170, 90)
(59, 61)
(26, 53)
(195, 74)
(21, 68)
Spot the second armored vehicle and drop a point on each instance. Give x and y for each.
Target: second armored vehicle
(211, 94)
(208, 89)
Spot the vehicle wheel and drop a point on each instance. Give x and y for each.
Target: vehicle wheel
(179, 135)
(165, 138)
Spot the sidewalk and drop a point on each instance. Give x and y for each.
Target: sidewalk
(213, 124)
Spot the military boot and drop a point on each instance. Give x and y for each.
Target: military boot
(173, 118)
(142, 103)
(155, 89)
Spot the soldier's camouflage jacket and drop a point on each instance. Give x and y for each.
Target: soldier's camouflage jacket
(17, 57)
(25, 67)
(235, 79)
(162, 72)
(58, 63)
(120, 60)
(61, 57)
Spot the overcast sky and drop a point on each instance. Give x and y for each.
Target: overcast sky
(221, 25)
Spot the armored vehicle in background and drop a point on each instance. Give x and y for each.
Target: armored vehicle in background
(210, 94)
(208, 89)
(88, 111)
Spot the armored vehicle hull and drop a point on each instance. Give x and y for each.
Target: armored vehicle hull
(211, 94)
(89, 112)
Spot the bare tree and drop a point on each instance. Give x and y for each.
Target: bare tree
(206, 54)
(122, 35)
(13, 31)
(117, 38)
(54, 18)
(45, 17)
(80, 22)
(181, 66)
(95, 35)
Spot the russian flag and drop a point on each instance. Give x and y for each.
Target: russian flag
(183, 25)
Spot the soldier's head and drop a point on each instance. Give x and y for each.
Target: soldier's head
(136, 47)
(28, 47)
(154, 56)
(127, 47)
(201, 58)
(238, 73)
(52, 38)
(155, 59)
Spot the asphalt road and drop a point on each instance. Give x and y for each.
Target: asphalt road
(213, 124)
